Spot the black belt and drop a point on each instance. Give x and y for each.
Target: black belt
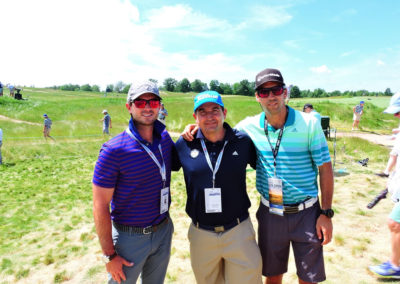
(294, 208)
(222, 228)
(139, 230)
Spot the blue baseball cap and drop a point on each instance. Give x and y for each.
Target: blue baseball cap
(361, 102)
(207, 97)
(44, 115)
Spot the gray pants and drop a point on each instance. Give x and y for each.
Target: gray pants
(149, 253)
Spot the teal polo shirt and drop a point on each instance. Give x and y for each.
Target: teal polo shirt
(303, 149)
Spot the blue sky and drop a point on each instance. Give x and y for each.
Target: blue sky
(334, 45)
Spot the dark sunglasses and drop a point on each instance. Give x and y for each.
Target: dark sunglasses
(153, 103)
(264, 92)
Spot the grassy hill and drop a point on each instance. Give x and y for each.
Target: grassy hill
(46, 230)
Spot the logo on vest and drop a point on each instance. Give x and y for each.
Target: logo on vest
(235, 154)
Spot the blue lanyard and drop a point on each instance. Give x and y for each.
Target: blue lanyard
(163, 171)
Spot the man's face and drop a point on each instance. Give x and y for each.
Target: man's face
(146, 115)
(307, 110)
(272, 104)
(210, 118)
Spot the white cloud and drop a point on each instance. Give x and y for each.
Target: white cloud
(380, 62)
(269, 16)
(320, 69)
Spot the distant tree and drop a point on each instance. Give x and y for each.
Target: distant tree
(388, 92)
(153, 80)
(295, 92)
(184, 86)
(225, 88)
(335, 93)
(216, 86)
(95, 88)
(198, 86)
(70, 87)
(305, 94)
(170, 84)
(235, 88)
(126, 89)
(119, 86)
(109, 88)
(86, 88)
(243, 88)
(318, 93)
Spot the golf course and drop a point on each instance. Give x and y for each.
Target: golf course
(47, 233)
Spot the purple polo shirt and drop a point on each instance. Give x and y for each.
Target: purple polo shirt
(123, 164)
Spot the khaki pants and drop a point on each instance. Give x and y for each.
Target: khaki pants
(229, 257)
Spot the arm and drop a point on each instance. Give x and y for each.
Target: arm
(189, 132)
(324, 224)
(102, 219)
(110, 123)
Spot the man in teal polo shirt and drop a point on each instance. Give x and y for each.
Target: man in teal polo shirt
(291, 151)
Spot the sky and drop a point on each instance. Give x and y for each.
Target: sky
(333, 45)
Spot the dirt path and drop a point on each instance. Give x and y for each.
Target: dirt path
(2, 117)
(379, 139)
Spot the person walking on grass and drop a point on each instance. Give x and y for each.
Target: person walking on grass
(162, 115)
(291, 152)
(391, 268)
(47, 127)
(133, 174)
(106, 122)
(358, 111)
(223, 247)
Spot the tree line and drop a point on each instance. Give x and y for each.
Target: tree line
(244, 88)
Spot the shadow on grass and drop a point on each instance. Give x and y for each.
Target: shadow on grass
(7, 165)
(388, 280)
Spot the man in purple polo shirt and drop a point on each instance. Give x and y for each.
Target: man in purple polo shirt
(133, 174)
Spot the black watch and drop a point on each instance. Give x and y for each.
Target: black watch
(328, 212)
(108, 258)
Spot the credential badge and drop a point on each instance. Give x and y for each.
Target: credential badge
(194, 153)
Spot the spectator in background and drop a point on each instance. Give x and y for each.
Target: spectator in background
(1, 143)
(106, 122)
(162, 114)
(1, 89)
(47, 127)
(12, 89)
(308, 108)
(391, 268)
(358, 111)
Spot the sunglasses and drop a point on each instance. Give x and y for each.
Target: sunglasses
(153, 103)
(264, 92)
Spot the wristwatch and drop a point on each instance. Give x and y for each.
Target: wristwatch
(328, 212)
(108, 258)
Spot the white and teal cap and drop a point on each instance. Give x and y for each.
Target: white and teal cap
(394, 106)
(207, 97)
